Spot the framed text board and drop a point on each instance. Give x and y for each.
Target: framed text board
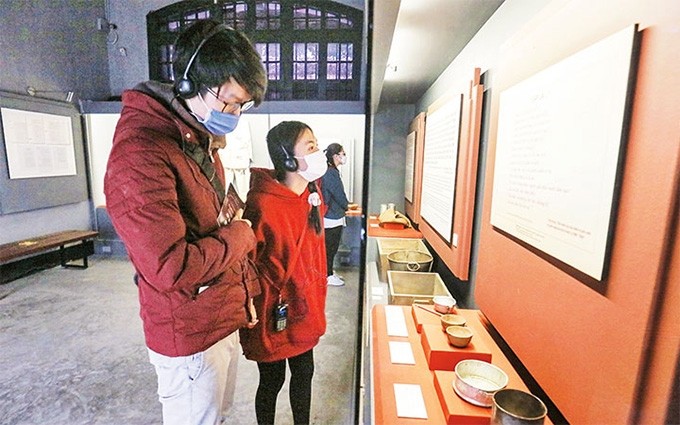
(440, 159)
(558, 153)
(42, 154)
(38, 144)
(410, 165)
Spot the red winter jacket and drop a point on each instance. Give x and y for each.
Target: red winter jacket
(165, 210)
(279, 219)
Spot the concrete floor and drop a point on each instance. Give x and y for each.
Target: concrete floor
(72, 352)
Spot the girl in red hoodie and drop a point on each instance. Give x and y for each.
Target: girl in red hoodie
(284, 206)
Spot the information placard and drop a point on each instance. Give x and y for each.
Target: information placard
(558, 152)
(440, 159)
(38, 144)
(410, 165)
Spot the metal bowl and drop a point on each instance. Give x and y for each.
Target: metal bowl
(517, 407)
(410, 261)
(443, 304)
(477, 381)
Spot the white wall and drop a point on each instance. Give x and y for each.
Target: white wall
(483, 51)
(99, 129)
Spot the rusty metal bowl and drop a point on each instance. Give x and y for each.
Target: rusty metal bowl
(477, 381)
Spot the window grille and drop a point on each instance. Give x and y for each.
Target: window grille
(339, 59)
(268, 15)
(271, 57)
(235, 14)
(305, 17)
(306, 61)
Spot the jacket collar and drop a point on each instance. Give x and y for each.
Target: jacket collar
(171, 107)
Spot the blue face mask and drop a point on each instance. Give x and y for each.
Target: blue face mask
(218, 123)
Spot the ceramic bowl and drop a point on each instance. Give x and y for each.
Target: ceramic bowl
(443, 304)
(459, 336)
(477, 381)
(452, 320)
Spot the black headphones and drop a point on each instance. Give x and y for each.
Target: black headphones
(185, 87)
(290, 163)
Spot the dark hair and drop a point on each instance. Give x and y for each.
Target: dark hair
(332, 149)
(227, 54)
(281, 141)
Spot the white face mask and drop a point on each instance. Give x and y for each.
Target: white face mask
(316, 166)
(343, 159)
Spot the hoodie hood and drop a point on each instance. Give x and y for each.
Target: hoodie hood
(263, 180)
(172, 116)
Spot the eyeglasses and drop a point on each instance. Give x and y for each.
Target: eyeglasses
(232, 108)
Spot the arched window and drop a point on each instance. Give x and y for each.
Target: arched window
(311, 50)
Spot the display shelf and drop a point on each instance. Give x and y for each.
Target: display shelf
(442, 403)
(386, 374)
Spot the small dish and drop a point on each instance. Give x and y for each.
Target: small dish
(459, 336)
(451, 320)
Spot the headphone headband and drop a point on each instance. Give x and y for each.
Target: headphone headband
(185, 87)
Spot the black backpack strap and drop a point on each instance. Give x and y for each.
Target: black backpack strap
(200, 157)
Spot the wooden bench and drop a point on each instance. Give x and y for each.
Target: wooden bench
(61, 240)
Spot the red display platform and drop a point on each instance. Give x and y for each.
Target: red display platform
(441, 355)
(456, 410)
(425, 315)
(442, 404)
(374, 230)
(386, 374)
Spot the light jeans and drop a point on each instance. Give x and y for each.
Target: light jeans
(198, 389)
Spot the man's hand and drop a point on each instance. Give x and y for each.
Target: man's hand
(239, 217)
(252, 313)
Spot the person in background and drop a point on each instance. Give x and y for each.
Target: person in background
(284, 207)
(164, 188)
(336, 205)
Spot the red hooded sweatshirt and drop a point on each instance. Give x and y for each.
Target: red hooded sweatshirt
(287, 245)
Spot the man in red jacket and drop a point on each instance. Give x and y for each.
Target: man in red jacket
(164, 189)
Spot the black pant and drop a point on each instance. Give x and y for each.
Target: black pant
(333, 236)
(272, 376)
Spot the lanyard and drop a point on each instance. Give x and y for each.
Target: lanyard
(293, 261)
